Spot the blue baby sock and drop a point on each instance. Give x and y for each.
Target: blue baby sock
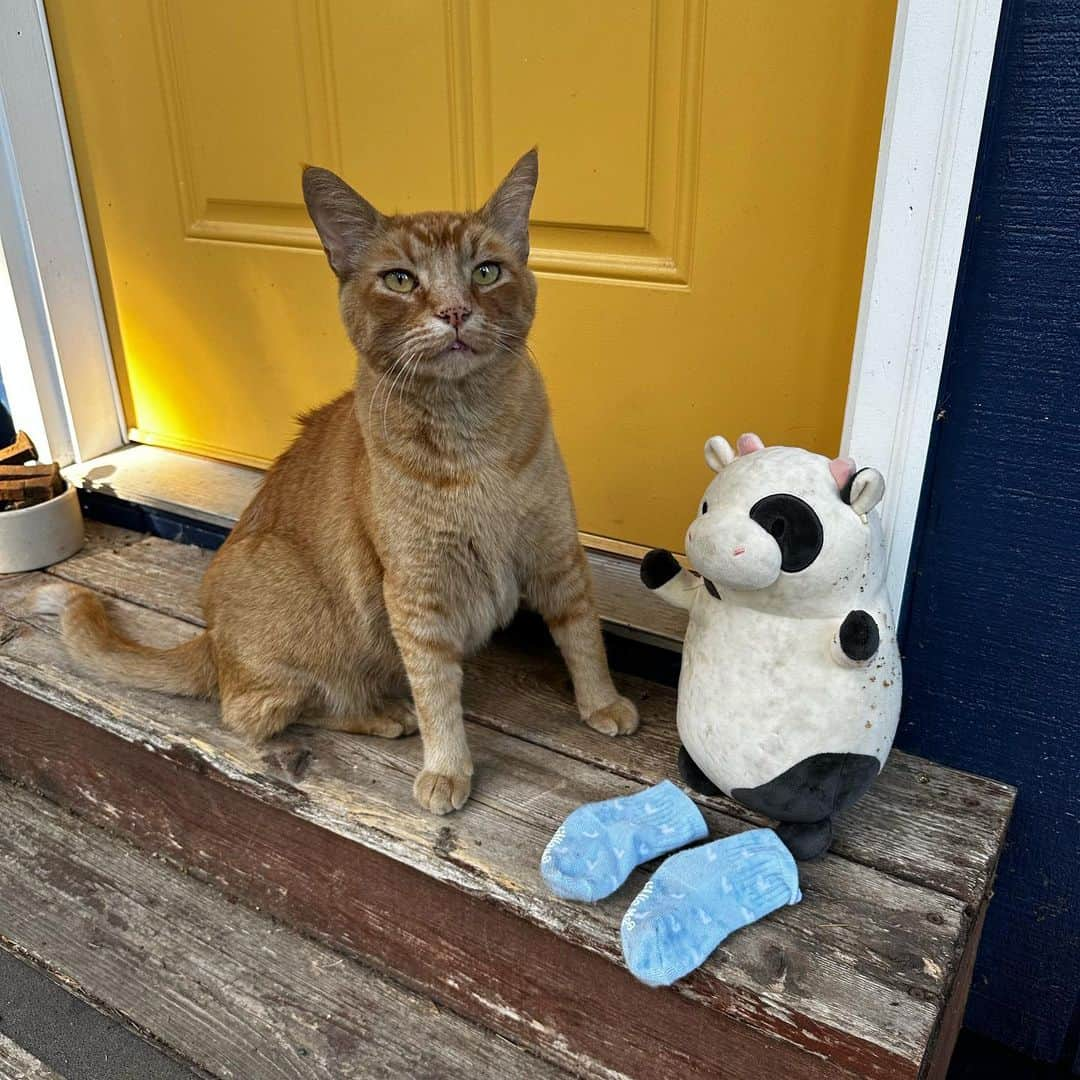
(700, 896)
(596, 847)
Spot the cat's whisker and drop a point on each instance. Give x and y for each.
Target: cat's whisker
(517, 344)
(393, 385)
(412, 376)
(395, 369)
(375, 393)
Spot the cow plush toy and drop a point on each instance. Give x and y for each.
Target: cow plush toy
(790, 687)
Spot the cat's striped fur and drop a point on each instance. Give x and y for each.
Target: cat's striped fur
(409, 518)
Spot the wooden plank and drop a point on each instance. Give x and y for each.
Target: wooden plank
(225, 988)
(919, 822)
(820, 976)
(98, 538)
(217, 492)
(201, 488)
(459, 947)
(626, 606)
(18, 1064)
(152, 573)
(102, 538)
(936, 1065)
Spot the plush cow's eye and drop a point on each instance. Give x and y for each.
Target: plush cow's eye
(705, 507)
(795, 527)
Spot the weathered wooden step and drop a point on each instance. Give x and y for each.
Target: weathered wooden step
(18, 1064)
(229, 990)
(320, 829)
(920, 821)
(216, 492)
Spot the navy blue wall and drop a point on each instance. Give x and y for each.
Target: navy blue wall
(992, 673)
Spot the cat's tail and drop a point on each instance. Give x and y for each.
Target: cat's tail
(96, 645)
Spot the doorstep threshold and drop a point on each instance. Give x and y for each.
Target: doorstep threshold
(216, 492)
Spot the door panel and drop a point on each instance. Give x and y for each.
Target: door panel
(699, 231)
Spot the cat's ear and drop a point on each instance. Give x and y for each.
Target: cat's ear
(346, 222)
(508, 208)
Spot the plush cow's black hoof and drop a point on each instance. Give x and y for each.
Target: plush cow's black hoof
(859, 636)
(806, 841)
(693, 777)
(658, 567)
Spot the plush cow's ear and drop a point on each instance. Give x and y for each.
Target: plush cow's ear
(842, 469)
(748, 443)
(864, 490)
(718, 453)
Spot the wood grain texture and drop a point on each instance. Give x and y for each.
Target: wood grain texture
(101, 537)
(858, 972)
(152, 573)
(952, 1017)
(991, 684)
(98, 538)
(225, 988)
(626, 606)
(210, 491)
(216, 492)
(17, 1064)
(462, 948)
(919, 822)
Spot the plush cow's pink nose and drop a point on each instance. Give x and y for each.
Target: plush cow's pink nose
(739, 551)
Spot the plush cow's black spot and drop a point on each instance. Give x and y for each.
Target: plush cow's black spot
(795, 527)
(814, 789)
(705, 507)
(658, 568)
(710, 588)
(859, 635)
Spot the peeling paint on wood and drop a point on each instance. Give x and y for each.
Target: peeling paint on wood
(228, 990)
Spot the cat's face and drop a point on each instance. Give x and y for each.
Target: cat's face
(442, 293)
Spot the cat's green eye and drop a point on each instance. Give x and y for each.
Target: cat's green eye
(399, 281)
(486, 273)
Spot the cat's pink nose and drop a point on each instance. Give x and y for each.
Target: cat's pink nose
(455, 316)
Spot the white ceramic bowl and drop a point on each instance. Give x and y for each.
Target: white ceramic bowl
(40, 535)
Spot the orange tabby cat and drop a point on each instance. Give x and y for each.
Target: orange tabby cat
(409, 518)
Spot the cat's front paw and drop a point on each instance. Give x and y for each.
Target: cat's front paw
(442, 792)
(618, 718)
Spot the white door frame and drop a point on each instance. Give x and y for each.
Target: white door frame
(938, 78)
(57, 367)
(54, 358)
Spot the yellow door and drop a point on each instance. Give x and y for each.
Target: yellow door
(706, 171)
